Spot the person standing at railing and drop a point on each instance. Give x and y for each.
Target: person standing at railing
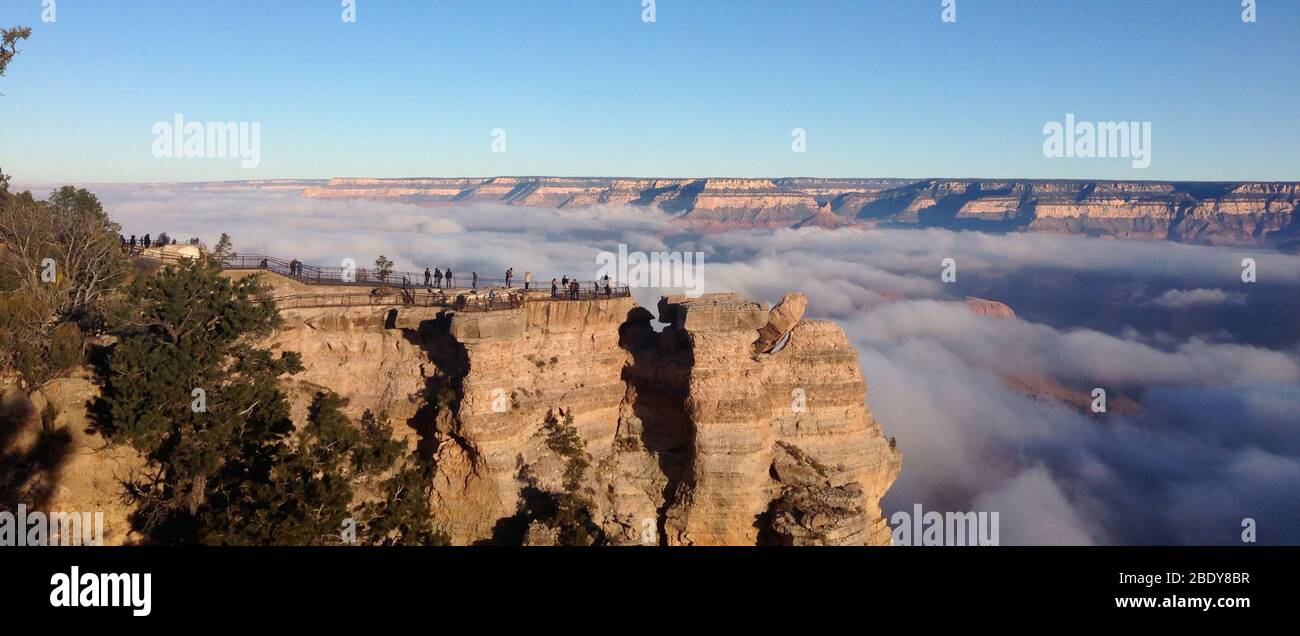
(437, 277)
(449, 283)
(528, 280)
(510, 275)
(473, 280)
(555, 289)
(427, 277)
(574, 289)
(146, 241)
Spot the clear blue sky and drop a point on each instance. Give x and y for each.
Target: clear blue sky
(713, 87)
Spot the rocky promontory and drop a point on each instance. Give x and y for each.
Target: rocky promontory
(733, 424)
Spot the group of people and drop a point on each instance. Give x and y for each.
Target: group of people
(145, 242)
(435, 280)
(573, 288)
(439, 278)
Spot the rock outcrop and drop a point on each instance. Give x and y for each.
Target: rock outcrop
(734, 424)
(688, 429)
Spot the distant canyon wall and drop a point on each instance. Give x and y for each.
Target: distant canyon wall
(1229, 213)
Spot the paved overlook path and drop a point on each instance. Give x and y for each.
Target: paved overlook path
(322, 286)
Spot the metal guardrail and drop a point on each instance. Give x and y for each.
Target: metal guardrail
(399, 288)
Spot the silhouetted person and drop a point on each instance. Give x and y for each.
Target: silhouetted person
(132, 242)
(565, 281)
(574, 289)
(427, 277)
(510, 275)
(473, 280)
(437, 277)
(555, 288)
(146, 241)
(448, 275)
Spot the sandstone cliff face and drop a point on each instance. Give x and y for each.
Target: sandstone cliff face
(748, 410)
(696, 434)
(1221, 213)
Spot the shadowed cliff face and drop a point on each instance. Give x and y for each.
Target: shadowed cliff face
(694, 435)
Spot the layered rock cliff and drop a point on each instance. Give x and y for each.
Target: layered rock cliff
(735, 424)
(1203, 212)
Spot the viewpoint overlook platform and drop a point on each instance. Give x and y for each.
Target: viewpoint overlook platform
(318, 286)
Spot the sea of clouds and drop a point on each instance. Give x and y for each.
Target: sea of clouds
(1213, 362)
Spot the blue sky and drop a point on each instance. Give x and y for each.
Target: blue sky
(711, 88)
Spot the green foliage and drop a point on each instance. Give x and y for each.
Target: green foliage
(237, 472)
(224, 249)
(71, 237)
(192, 329)
(163, 239)
(9, 39)
(572, 509)
(38, 355)
(59, 264)
(383, 268)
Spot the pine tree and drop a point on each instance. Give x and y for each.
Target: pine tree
(224, 249)
(571, 510)
(9, 39)
(188, 387)
(383, 268)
